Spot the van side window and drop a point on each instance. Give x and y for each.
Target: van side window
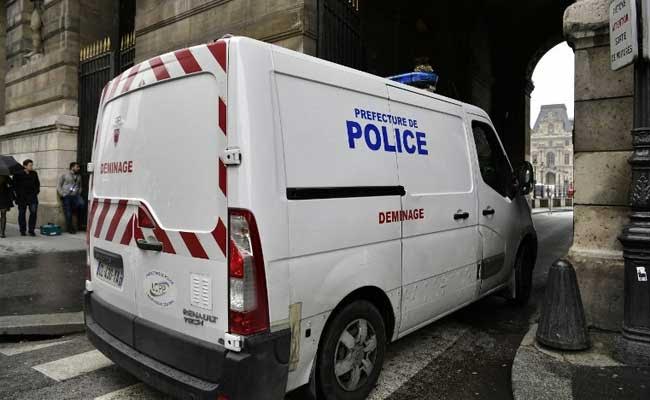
(493, 164)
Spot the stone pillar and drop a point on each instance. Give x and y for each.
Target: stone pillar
(602, 147)
(178, 23)
(3, 60)
(41, 93)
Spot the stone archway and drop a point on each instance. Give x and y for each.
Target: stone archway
(487, 60)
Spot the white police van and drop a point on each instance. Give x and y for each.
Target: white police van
(262, 221)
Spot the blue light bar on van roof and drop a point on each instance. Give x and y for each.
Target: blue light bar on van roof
(417, 79)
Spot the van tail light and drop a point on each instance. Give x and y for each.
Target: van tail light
(144, 219)
(248, 311)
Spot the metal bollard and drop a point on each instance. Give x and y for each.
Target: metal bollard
(562, 324)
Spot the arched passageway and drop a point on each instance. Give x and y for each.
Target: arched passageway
(485, 52)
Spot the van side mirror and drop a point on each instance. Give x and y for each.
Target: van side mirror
(526, 178)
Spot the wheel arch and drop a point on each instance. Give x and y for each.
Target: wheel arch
(376, 297)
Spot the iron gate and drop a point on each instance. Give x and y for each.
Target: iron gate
(96, 68)
(339, 32)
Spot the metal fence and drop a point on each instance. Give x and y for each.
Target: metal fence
(552, 191)
(339, 32)
(96, 68)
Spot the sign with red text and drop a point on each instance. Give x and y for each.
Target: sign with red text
(623, 40)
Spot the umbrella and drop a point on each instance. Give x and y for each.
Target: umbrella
(9, 165)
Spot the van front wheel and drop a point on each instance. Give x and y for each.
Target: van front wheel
(352, 353)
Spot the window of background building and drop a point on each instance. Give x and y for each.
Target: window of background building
(566, 159)
(550, 159)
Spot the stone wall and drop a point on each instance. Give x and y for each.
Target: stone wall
(165, 25)
(51, 142)
(46, 84)
(3, 60)
(17, 31)
(41, 91)
(602, 145)
(96, 21)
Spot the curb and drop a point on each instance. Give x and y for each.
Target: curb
(551, 211)
(42, 324)
(536, 375)
(541, 373)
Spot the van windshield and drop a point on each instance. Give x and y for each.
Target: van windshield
(158, 145)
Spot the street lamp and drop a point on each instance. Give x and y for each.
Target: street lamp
(534, 178)
(541, 175)
(634, 344)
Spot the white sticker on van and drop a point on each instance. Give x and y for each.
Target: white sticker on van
(159, 288)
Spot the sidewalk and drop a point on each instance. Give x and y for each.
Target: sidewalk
(14, 244)
(542, 210)
(41, 283)
(542, 374)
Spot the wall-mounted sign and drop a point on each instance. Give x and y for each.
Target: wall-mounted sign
(623, 40)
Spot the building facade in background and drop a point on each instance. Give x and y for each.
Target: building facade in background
(551, 150)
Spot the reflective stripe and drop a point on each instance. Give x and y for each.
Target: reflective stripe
(102, 217)
(128, 232)
(119, 212)
(193, 245)
(159, 69)
(219, 234)
(187, 61)
(218, 50)
(222, 116)
(129, 80)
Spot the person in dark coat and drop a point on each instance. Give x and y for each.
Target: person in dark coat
(6, 202)
(27, 187)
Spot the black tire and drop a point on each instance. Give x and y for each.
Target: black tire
(524, 265)
(348, 318)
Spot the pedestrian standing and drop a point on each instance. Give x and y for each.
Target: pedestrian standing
(6, 202)
(69, 188)
(27, 187)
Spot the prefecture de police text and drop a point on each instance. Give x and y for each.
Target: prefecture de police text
(378, 137)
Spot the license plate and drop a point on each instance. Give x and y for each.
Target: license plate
(110, 267)
(110, 274)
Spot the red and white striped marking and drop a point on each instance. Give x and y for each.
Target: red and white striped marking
(203, 58)
(116, 221)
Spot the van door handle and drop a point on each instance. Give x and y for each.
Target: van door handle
(460, 214)
(488, 211)
(153, 245)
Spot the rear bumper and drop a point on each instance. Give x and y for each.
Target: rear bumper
(202, 371)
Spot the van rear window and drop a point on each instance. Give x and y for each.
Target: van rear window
(158, 145)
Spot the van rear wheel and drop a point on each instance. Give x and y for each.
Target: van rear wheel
(524, 264)
(352, 353)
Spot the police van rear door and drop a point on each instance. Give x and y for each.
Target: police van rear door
(159, 208)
